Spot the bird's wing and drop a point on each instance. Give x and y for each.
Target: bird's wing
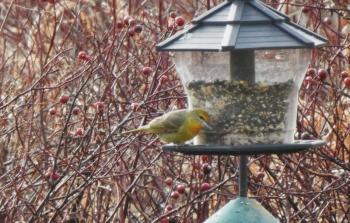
(169, 123)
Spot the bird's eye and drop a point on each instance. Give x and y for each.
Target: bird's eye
(202, 117)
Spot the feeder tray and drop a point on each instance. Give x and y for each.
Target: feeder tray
(236, 150)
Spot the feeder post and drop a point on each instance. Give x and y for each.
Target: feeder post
(242, 68)
(242, 65)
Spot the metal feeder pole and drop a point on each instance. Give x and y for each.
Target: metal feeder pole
(242, 68)
(243, 176)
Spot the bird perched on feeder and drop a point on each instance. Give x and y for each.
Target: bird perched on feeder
(177, 126)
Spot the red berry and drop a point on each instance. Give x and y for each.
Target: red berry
(206, 168)
(99, 106)
(147, 70)
(164, 220)
(82, 55)
(179, 21)
(168, 208)
(311, 71)
(205, 186)
(126, 20)
(131, 32)
(347, 82)
(344, 74)
(79, 132)
(322, 74)
(64, 99)
(173, 14)
(76, 111)
(205, 158)
(51, 175)
(53, 111)
(120, 24)
(180, 188)
(55, 176)
(163, 78)
(306, 9)
(175, 195)
(138, 28)
(169, 181)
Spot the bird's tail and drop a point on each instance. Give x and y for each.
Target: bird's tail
(140, 129)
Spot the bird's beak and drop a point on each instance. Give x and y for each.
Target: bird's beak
(206, 125)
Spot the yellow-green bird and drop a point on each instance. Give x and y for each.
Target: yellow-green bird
(177, 126)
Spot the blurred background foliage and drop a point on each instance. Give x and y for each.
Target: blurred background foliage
(75, 74)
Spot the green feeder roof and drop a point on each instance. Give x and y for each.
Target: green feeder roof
(242, 210)
(241, 25)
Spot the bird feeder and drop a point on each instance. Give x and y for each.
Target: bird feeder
(243, 62)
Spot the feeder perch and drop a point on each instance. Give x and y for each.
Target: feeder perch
(243, 62)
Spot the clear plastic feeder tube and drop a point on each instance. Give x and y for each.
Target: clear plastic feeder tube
(245, 109)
